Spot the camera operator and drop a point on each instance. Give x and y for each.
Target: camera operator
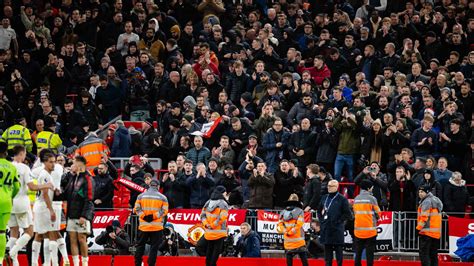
(170, 243)
(248, 245)
(315, 248)
(379, 179)
(114, 239)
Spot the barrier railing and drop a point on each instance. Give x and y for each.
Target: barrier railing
(405, 238)
(120, 162)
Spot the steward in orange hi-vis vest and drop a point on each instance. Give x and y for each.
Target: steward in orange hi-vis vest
(93, 149)
(366, 214)
(291, 226)
(151, 207)
(429, 225)
(214, 219)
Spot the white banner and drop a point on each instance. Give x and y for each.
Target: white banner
(384, 230)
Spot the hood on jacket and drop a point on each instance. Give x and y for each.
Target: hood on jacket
(215, 203)
(157, 25)
(291, 212)
(463, 182)
(292, 204)
(190, 101)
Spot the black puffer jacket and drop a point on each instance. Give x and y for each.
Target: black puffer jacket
(79, 194)
(456, 196)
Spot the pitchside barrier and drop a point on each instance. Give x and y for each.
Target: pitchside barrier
(396, 230)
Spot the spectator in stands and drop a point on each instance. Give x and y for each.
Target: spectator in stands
(200, 185)
(442, 174)
(379, 181)
(327, 142)
(122, 141)
(199, 153)
(349, 144)
(456, 196)
(453, 145)
(232, 186)
(224, 152)
(312, 189)
(287, 182)
(261, 185)
(402, 191)
(275, 143)
(103, 186)
(174, 187)
(137, 176)
(424, 139)
(428, 180)
(301, 145)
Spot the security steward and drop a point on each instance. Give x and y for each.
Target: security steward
(291, 226)
(18, 134)
(151, 207)
(93, 149)
(366, 214)
(48, 139)
(214, 219)
(429, 226)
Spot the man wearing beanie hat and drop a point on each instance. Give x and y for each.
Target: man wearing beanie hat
(366, 214)
(214, 219)
(429, 225)
(151, 207)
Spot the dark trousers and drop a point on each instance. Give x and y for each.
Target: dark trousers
(429, 251)
(214, 249)
(369, 245)
(328, 256)
(303, 256)
(154, 239)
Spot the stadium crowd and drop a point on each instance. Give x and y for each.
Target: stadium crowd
(300, 93)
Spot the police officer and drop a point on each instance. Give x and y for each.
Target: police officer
(151, 207)
(366, 213)
(48, 139)
(291, 226)
(429, 226)
(18, 134)
(214, 218)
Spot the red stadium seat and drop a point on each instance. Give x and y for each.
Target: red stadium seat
(385, 258)
(444, 258)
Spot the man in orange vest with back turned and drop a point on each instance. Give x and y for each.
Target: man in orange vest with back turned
(429, 226)
(214, 219)
(93, 149)
(366, 214)
(151, 207)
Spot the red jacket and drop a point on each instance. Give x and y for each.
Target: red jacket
(318, 75)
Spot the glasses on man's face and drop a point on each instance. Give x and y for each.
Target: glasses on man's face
(278, 124)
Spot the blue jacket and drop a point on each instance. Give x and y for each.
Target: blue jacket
(442, 176)
(465, 248)
(273, 154)
(200, 189)
(249, 245)
(122, 143)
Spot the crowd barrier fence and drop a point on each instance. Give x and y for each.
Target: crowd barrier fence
(404, 230)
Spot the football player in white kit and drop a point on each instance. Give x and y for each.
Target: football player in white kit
(22, 216)
(46, 228)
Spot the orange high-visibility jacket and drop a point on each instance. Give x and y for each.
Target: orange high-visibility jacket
(151, 202)
(291, 226)
(429, 216)
(214, 219)
(366, 213)
(93, 149)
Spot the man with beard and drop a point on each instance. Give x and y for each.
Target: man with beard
(302, 144)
